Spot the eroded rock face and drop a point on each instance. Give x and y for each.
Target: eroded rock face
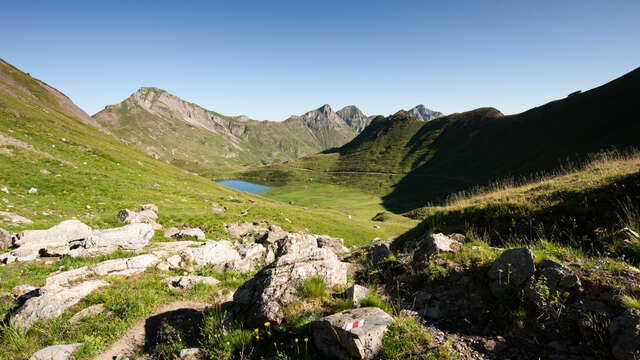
(53, 241)
(264, 297)
(334, 244)
(273, 234)
(513, 266)
(624, 333)
(132, 237)
(220, 254)
(351, 334)
(52, 302)
(290, 244)
(56, 352)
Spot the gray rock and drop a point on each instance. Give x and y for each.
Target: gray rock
(32, 191)
(14, 218)
(273, 234)
(24, 292)
(195, 233)
(624, 333)
(513, 266)
(290, 244)
(56, 352)
(45, 172)
(89, 311)
(174, 261)
(431, 244)
(378, 253)
(169, 232)
(264, 297)
(132, 237)
(356, 293)
(125, 266)
(334, 244)
(53, 241)
(220, 254)
(240, 230)
(52, 302)
(5, 240)
(189, 281)
(191, 354)
(151, 207)
(559, 278)
(252, 254)
(351, 334)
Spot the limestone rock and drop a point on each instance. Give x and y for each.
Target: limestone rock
(174, 261)
(291, 243)
(273, 234)
(378, 253)
(90, 311)
(195, 233)
(191, 354)
(356, 293)
(14, 218)
(5, 240)
(145, 216)
(169, 232)
(240, 230)
(52, 302)
(56, 352)
(125, 266)
(32, 191)
(624, 333)
(53, 241)
(189, 281)
(252, 254)
(151, 207)
(220, 254)
(334, 244)
(431, 244)
(351, 334)
(559, 278)
(130, 237)
(24, 292)
(264, 297)
(513, 266)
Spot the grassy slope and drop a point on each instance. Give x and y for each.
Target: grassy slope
(462, 151)
(199, 149)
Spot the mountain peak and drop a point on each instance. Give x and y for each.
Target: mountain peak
(423, 113)
(325, 109)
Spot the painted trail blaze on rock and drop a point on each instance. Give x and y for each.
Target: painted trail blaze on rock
(354, 324)
(351, 334)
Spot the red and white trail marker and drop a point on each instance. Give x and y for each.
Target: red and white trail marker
(350, 325)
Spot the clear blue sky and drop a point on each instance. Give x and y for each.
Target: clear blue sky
(270, 59)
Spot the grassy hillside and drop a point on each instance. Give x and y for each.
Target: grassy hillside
(191, 137)
(92, 176)
(416, 163)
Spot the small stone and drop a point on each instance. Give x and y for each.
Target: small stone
(4, 189)
(355, 293)
(32, 191)
(45, 172)
(91, 310)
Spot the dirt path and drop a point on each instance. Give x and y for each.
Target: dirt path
(138, 335)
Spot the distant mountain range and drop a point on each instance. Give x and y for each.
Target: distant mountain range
(171, 129)
(464, 150)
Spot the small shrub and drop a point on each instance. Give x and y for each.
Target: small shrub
(628, 301)
(374, 299)
(341, 304)
(313, 287)
(405, 339)
(551, 303)
(511, 304)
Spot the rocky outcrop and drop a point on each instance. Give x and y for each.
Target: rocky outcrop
(52, 301)
(14, 218)
(193, 233)
(513, 267)
(189, 281)
(146, 216)
(56, 352)
(241, 230)
(132, 237)
(273, 234)
(378, 253)
(624, 333)
(431, 244)
(220, 254)
(351, 334)
(53, 241)
(334, 244)
(264, 297)
(558, 278)
(421, 113)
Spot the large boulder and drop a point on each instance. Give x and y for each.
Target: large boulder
(220, 254)
(290, 244)
(56, 352)
(5, 240)
(624, 333)
(513, 267)
(351, 334)
(53, 241)
(264, 297)
(132, 237)
(52, 302)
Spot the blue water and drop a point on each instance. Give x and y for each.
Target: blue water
(244, 186)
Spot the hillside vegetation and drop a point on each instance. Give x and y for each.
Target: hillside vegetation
(416, 163)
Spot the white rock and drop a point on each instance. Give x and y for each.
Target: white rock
(130, 237)
(32, 191)
(56, 352)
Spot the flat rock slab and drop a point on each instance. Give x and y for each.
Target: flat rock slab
(56, 352)
(351, 334)
(189, 281)
(90, 311)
